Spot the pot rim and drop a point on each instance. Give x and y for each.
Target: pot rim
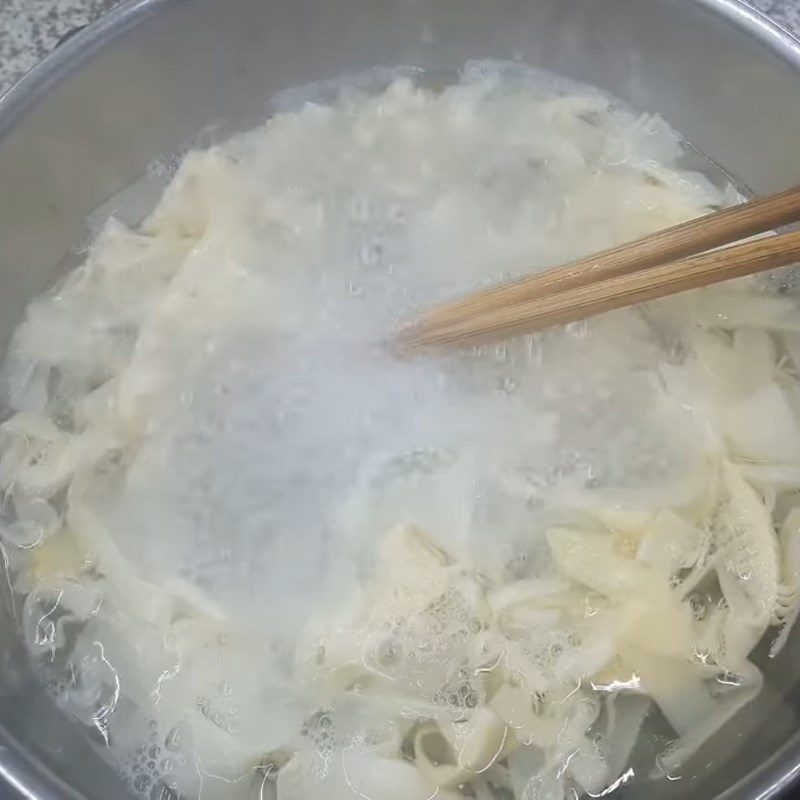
(23, 771)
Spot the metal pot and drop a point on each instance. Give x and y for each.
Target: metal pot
(141, 83)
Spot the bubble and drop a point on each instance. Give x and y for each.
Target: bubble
(397, 215)
(23, 534)
(507, 384)
(372, 253)
(663, 757)
(501, 353)
(699, 605)
(579, 329)
(360, 208)
(164, 791)
(390, 653)
(174, 740)
(724, 683)
(600, 744)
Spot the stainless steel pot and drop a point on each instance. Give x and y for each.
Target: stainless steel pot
(142, 82)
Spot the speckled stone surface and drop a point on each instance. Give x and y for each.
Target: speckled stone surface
(29, 29)
(786, 12)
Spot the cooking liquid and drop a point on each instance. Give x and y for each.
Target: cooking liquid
(265, 438)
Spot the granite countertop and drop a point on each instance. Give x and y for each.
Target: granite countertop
(30, 29)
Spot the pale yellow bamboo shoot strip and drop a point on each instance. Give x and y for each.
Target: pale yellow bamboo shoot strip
(606, 295)
(679, 241)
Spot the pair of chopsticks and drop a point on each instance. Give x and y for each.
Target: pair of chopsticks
(661, 264)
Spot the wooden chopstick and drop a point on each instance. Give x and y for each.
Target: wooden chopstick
(623, 290)
(521, 306)
(713, 230)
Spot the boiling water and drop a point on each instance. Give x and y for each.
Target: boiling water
(262, 553)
